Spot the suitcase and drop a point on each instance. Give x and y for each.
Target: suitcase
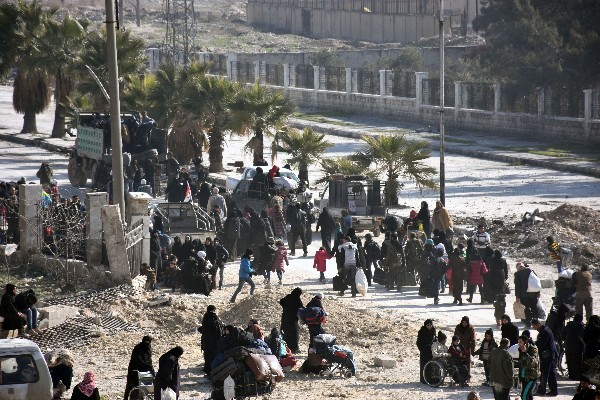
(339, 284)
(259, 367)
(223, 370)
(276, 371)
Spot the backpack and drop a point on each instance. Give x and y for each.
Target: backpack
(373, 251)
(312, 315)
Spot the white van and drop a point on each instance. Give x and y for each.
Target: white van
(24, 374)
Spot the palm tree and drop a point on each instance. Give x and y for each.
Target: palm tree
(207, 100)
(136, 95)
(20, 25)
(59, 53)
(260, 112)
(345, 166)
(165, 98)
(304, 148)
(396, 156)
(131, 63)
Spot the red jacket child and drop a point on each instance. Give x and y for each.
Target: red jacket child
(321, 258)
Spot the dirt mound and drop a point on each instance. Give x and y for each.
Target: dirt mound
(575, 227)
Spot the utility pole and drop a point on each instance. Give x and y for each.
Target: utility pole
(442, 100)
(118, 187)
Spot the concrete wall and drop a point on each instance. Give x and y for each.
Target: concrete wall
(407, 109)
(341, 24)
(356, 58)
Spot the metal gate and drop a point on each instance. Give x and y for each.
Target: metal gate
(134, 247)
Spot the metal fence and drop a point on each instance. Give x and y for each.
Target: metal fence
(335, 78)
(564, 101)
(367, 81)
(274, 74)
(366, 6)
(516, 100)
(305, 76)
(134, 246)
(63, 230)
(595, 104)
(479, 96)
(245, 72)
(404, 83)
(218, 64)
(431, 93)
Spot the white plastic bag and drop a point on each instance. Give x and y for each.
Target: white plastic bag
(361, 282)
(168, 394)
(518, 310)
(541, 310)
(229, 388)
(534, 284)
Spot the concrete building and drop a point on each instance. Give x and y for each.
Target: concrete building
(379, 21)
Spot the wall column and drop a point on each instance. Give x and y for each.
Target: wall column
(30, 224)
(93, 219)
(286, 76)
(497, 97)
(317, 77)
(419, 90)
(348, 80)
(292, 75)
(587, 104)
(458, 95)
(382, 85)
(256, 71)
(354, 81)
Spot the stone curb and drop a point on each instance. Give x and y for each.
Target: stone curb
(41, 143)
(489, 155)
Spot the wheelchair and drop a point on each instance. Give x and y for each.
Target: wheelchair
(437, 370)
(145, 389)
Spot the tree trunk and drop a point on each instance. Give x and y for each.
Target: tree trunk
(259, 150)
(64, 87)
(29, 123)
(215, 150)
(303, 172)
(391, 192)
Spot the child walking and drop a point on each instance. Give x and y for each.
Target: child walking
(499, 308)
(320, 262)
(280, 261)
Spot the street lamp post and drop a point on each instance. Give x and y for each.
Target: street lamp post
(118, 187)
(442, 100)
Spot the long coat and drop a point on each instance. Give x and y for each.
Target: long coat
(12, 320)
(167, 374)
(290, 329)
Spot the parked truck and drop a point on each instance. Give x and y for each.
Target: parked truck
(93, 143)
(358, 195)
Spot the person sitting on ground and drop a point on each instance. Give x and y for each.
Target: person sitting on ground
(276, 344)
(86, 389)
(585, 390)
(473, 396)
(25, 302)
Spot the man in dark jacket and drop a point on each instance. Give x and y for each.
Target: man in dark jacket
(167, 375)
(425, 339)
(509, 330)
(548, 358)
(573, 346)
(327, 225)
(298, 222)
(212, 330)
(141, 361)
(501, 371)
(372, 256)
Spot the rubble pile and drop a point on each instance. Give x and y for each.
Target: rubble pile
(575, 227)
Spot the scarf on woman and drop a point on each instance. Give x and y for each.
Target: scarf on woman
(87, 385)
